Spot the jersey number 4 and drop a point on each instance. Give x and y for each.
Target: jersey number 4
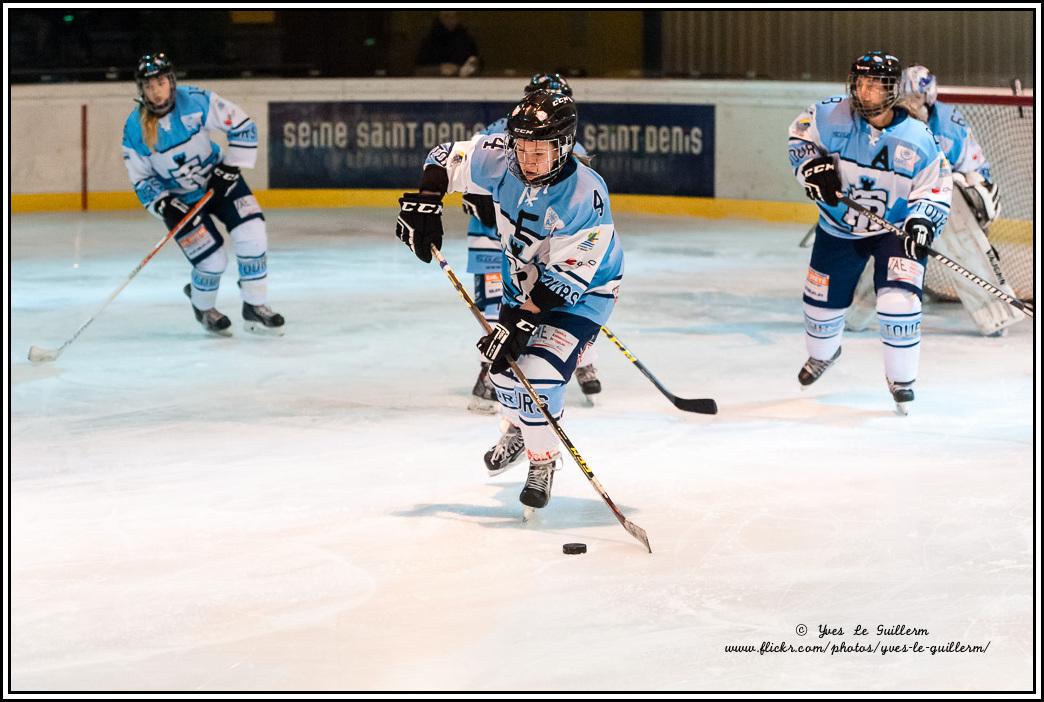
(598, 204)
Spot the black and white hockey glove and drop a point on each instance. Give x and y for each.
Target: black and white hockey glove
(919, 234)
(222, 179)
(172, 210)
(821, 180)
(481, 208)
(984, 200)
(509, 337)
(420, 223)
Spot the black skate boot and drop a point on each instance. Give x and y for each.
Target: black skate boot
(506, 451)
(483, 396)
(212, 320)
(814, 368)
(587, 376)
(903, 395)
(260, 319)
(537, 491)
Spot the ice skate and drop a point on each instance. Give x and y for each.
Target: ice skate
(506, 451)
(537, 491)
(212, 320)
(903, 395)
(587, 376)
(483, 396)
(814, 368)
(260, 319)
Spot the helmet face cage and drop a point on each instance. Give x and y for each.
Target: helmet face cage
(879, 66)
(548, 81)
(546, 117)
(150, 66)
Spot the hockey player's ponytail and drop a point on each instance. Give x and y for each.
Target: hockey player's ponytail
(149, 127)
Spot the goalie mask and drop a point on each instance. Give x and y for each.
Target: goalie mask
(541, 133)
(873, 83)
(151, 66)
(918, 91)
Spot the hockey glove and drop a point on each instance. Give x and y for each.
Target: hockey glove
(919, 235)
(171, 209)
(984, 200)
(481, 208)
(509, 337)
(222, 179)
(420, 223)
(821, 180)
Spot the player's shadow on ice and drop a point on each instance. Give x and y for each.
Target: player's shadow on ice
(561, 512)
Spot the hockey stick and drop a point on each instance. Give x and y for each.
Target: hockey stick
(809, 237)
(38, 354)
(701, 406)
(632, 528)
(1026, 308)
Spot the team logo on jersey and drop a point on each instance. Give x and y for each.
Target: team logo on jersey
(187, 171)
(905, 157)
(589, 243)
(192, 121)
(552, 221)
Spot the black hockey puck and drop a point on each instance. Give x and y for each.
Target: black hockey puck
(574, 548)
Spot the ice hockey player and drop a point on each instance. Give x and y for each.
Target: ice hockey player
(561, 268)
(485, 257)
(863, 146)
(172, 162)
(970, 215)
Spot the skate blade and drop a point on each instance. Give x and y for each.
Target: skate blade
(528, 513)
(261, 330)
(902, 409)
(227, 331)
(588, 401)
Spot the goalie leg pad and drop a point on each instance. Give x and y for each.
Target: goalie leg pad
(965, 241)
(899, 313)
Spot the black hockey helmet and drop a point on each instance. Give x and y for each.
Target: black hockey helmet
(543, 116)
(150, 66)
(886, 69)
(549, 81)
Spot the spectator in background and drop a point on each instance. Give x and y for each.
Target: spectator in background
(448, 50)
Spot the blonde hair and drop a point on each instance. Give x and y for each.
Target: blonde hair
(149, 128)
(586, 160)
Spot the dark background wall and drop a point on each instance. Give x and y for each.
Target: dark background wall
(972, 47)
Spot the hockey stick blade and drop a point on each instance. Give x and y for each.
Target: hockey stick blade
(42, 355)
(700, 406)
(637, 532)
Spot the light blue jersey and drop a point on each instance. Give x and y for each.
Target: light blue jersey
(484, 255)
(898, 172)
(184, 155)
(560, 234)
(957, 141)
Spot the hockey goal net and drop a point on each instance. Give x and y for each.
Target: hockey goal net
(1003, 124)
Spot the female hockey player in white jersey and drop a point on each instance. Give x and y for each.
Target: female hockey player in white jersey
(172, 162)
(485, 257)
(561, 269)
(864, 147)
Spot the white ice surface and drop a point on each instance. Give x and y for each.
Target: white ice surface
(312, 513)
